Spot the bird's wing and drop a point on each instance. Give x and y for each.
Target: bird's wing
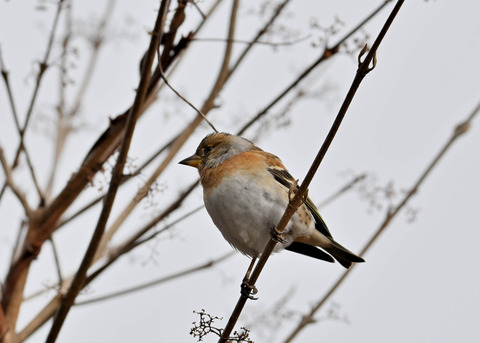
(283, 177)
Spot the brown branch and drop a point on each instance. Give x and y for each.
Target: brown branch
(3, 325)
(80, 276)
(363, 69)
(458, 131)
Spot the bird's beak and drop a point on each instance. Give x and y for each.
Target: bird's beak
(192, 161)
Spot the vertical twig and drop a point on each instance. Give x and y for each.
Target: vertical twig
(363, 69)
(57, 262)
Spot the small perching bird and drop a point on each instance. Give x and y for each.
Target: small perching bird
(246, 191)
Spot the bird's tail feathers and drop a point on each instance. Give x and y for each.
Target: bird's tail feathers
(344, 256)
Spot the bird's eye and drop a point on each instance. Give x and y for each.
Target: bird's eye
(207, 149)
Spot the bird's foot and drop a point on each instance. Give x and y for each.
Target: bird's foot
(248, 290)
(277, 235)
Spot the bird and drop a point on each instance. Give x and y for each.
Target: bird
(246, 191)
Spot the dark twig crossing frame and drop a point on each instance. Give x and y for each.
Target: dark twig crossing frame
(364, 67)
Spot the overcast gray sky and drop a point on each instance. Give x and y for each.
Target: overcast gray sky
(421, 281)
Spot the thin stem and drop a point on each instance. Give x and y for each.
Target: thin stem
(11, 101)
(240, 41)
(363, 69)
(342, 190)
(57, 262)
(43, 67)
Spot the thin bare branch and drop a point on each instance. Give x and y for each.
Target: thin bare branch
(57, 262)
(240, 41)
(158, 281)
(363, 69)
(342, 190)
(13, 186)
(43, 67)
(5, 76)
(11, 101)
(458, 131)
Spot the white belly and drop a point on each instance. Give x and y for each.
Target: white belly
(247, 221)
